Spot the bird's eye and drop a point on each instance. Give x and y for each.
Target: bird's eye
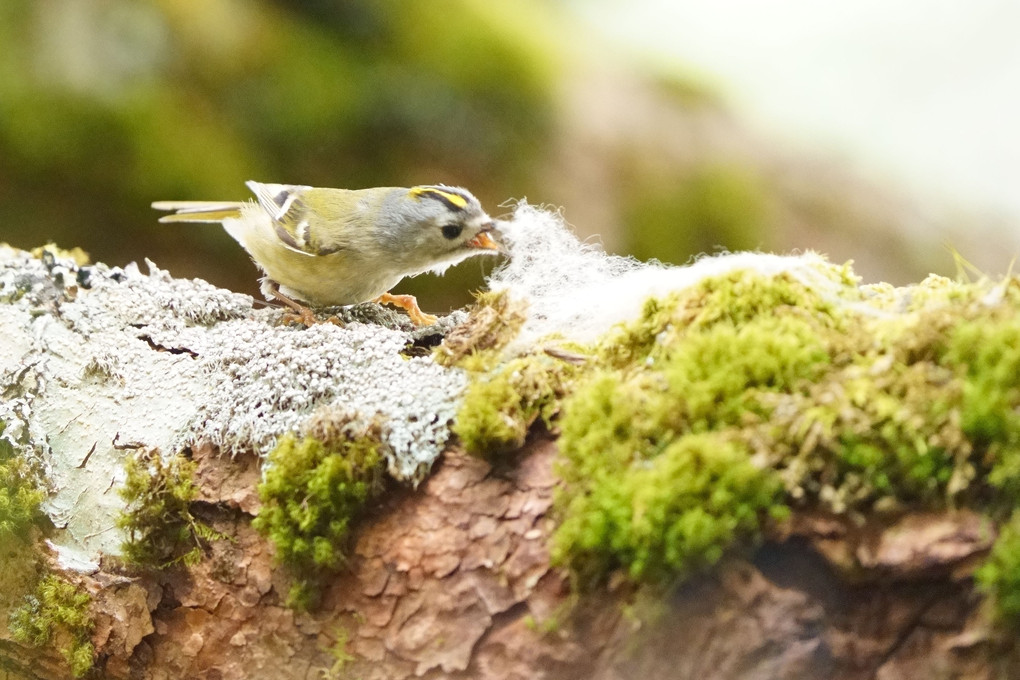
(452, 231)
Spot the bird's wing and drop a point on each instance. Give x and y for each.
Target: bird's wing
(290, 215)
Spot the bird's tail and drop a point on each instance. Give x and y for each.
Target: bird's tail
(199, 211)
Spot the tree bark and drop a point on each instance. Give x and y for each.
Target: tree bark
(453, 581)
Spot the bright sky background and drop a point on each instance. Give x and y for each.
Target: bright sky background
(922, 93)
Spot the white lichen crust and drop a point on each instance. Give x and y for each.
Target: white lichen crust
(97, 362)
(266, 380)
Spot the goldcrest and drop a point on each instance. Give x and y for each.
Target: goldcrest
(326, 247)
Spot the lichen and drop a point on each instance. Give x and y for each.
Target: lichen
(161, 531)
(268, 381)
(58, 613)
(97, 357)
(312, 492)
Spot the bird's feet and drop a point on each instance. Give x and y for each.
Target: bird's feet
(409, 304)
(299, 313)
(305, 317)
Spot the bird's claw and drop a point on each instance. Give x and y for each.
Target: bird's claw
(409, 304)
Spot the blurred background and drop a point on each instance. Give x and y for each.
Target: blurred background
(665, 128)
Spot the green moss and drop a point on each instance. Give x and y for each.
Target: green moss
(20, 493)
(865, 438)
(999, 576)
(58, 612)
(733, 299)
(662, 514)
(340, 654)
(161, 530)
(704, 360)
(658, 478)
(505, 396)
(312, 492)
(988, 349)
(723, 406)
(501, 405)
(852, 400)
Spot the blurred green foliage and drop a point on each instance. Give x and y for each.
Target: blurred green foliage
(107, 105)
(672, 218)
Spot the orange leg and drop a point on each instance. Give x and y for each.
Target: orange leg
(301, 314)
(410, 305)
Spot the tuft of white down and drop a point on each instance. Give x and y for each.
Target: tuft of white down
(577, 291)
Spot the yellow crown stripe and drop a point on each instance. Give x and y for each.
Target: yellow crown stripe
(452, 199)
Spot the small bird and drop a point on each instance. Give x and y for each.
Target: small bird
(332, 247)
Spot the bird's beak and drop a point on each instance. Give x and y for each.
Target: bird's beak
(484, 241)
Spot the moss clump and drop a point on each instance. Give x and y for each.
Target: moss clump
(875, 433)
(999, 576)
(505, 396)
(662, 514)
(161, 530)
(500, 406)
(341, 656)
(659, 478)
(731, 300)
(727, 404)
(57, 611)
(312, 492)
(851, 399)
(20, 493)
(988, 350)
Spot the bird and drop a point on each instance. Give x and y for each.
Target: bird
(335, 247)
